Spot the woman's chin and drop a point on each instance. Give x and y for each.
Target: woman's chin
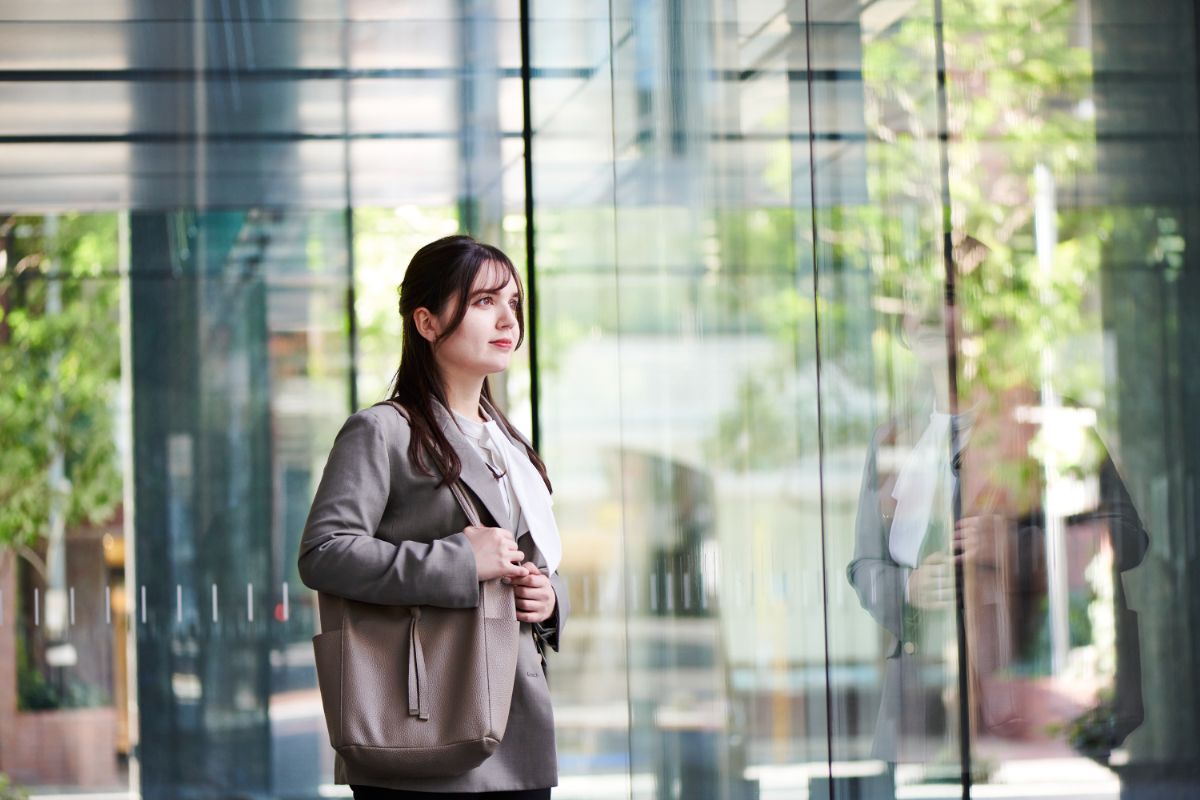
(493, 367)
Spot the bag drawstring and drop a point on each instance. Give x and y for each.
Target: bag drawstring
(416, 670)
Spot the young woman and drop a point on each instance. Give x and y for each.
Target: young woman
(385, 528)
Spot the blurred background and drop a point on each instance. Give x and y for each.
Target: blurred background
(812, 284)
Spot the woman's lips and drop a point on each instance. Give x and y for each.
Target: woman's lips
(502, 343)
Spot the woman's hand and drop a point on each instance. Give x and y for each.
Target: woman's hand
(535, 595)
(931, 585)
(496, 553)
(978, 539)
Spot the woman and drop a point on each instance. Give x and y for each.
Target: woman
(385, 528)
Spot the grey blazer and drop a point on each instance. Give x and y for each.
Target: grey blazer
(381, 532)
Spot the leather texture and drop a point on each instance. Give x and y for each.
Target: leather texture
(418, 691)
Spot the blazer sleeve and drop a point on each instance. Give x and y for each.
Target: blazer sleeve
(551, 628)
(1129, 537)
(339, 553)
(877, 579)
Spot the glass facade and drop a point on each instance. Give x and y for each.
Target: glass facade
(859, 358)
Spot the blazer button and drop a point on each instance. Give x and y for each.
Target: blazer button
(910, 647)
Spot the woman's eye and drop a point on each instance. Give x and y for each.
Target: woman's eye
(483, 300)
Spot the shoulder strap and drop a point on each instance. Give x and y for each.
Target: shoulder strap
(457, 488)
(496, 600)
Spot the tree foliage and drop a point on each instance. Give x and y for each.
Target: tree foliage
(61, 371)
(1017, 96)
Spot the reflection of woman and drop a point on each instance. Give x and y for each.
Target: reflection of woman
(385, 527)
(905, 581)
(937, 489)
(902, 569)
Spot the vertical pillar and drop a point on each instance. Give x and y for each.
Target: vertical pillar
(1147, 122)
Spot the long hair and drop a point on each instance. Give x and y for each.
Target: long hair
(441, 272)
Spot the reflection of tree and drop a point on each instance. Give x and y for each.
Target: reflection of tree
(61, 369)
(1017, 97)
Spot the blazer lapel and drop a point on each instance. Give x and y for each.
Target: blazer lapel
(475, 473)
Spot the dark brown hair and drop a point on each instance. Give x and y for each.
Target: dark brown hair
(441, 272)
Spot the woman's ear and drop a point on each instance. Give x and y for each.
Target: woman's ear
(427, 324)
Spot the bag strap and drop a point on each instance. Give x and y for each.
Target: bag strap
(496, 600)
(457, 488)
(468, 505)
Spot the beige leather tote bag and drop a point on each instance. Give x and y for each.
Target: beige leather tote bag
(418, 691)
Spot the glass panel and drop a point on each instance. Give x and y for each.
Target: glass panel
(578, 370)
(175, 332)
(888, 408)
(64, 679)
(1072, 155)
(664, 359)
(1014, 396)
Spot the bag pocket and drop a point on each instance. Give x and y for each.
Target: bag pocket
(327, 655)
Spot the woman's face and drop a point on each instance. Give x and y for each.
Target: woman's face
(484, 342)
(925, 325)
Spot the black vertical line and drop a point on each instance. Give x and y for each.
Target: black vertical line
(348, 214)
(352, 328)
(468, 139)
(943, 134)
(530, 250)
(812, 189)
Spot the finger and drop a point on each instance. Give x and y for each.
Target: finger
(516, 578)
(513, 571)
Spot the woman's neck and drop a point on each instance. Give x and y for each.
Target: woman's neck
(462, 395)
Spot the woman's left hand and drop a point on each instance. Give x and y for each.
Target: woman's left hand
(535, 595)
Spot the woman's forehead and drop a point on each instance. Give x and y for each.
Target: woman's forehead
(494, 277)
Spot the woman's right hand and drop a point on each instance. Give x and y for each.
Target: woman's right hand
(496, 553)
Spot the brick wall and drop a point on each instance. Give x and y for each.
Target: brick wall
(71, 747)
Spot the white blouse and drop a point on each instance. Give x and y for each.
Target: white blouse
(526, 498)
(481, 434)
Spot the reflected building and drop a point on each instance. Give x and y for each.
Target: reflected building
(743, 228)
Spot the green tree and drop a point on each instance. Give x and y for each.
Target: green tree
(60, 357)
